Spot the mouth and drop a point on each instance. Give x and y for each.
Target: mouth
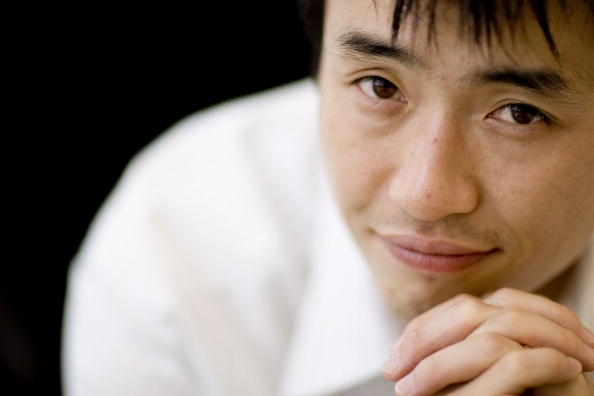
(434, 255)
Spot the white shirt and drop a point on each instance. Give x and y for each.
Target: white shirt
(220, 265)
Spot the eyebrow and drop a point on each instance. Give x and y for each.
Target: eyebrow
(545, 82)
(367, 46)
(541, 81)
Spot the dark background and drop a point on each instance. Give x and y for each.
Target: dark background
(87, 87)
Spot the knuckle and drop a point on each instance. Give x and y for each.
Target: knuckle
(503, 295)
(493, 343)
(568, 338)
(463, 297)
(418, 335)
(517, 362)
(469, 311)
(509, 317)
(535, 364)
(415, 323)
(563, 311)
(565, 314)
(470, 306)
(430, 365)
(413, 333)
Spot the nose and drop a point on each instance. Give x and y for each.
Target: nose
(434, 175)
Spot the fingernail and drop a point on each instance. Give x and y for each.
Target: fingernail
(403, 387)
(391, 365)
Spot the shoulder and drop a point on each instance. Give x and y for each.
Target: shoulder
(282, 113)
(223, 188)
(218, 150)
(200, 248)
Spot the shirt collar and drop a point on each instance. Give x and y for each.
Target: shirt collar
(343, 331)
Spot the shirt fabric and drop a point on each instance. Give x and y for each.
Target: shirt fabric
(219, 265)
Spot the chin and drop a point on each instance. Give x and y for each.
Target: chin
(408, 311)
(411, 301)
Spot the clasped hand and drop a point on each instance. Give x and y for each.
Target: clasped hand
(506, 343)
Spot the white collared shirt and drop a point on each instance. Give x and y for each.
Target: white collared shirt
(220, 266)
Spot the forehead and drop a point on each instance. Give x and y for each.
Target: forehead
(572, 29)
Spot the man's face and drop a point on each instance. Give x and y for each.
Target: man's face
(459, 168)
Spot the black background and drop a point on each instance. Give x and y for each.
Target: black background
(88, 86)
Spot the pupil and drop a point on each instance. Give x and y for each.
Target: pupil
(523, 114)
(383, 88)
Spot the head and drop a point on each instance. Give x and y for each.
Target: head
(459, 139)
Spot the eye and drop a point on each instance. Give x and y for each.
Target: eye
(379, 88)
(519, 113)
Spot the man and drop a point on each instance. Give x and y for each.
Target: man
(449, 209)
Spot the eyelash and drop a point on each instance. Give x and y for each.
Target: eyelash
(368, 84)
(538, 116)
(514, 110)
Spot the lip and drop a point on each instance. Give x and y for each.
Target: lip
(434, 255)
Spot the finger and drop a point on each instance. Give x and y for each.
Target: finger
(427, 316)
(457, 363)
(435, 330)
(533, 330)
(558, 313)
(518, 371)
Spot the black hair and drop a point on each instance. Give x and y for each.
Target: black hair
(480, 19)
(311, 13)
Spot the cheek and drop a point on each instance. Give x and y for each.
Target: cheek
(357, 165)
(574, 194)
(561, 188)
(547, 204)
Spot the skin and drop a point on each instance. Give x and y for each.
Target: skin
(452, 152)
